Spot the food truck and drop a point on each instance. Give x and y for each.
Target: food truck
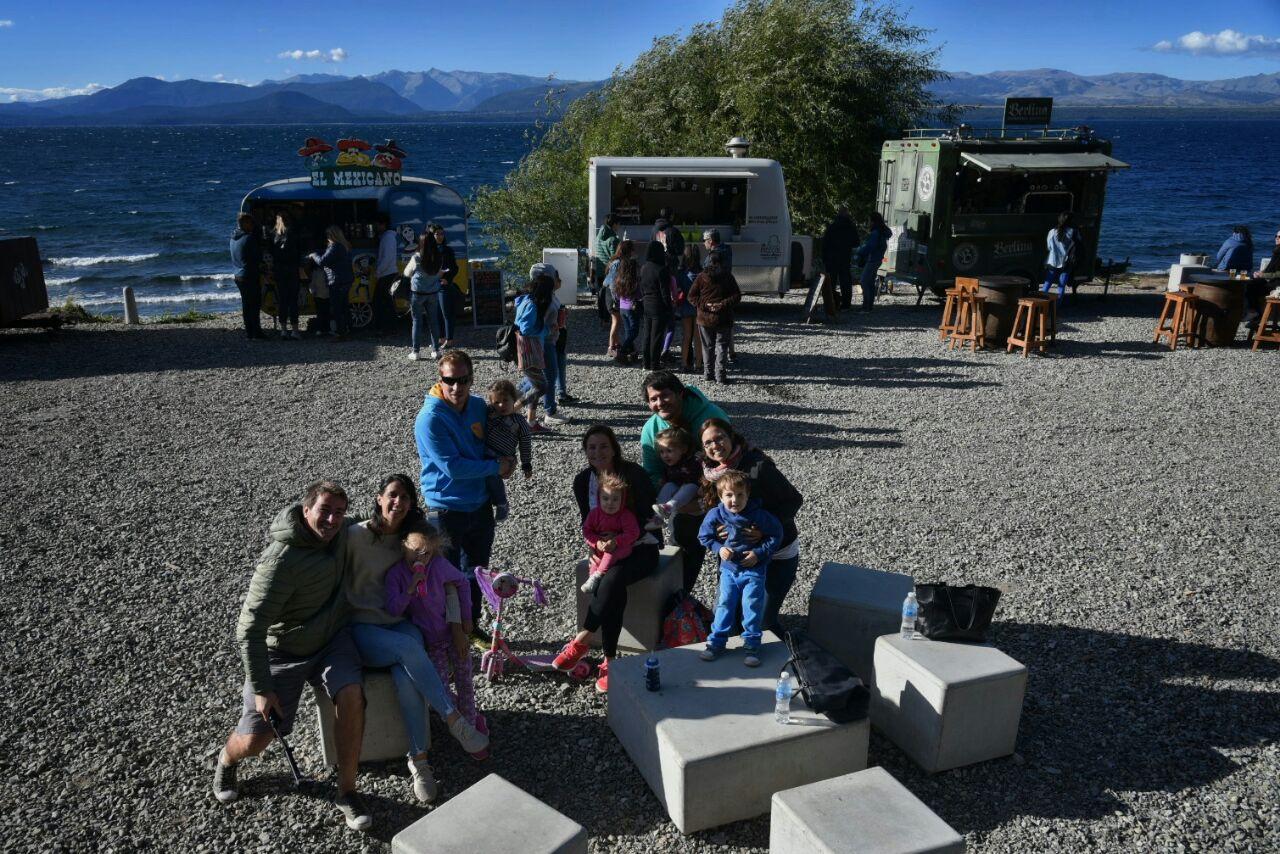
(349, 184)
(744, 198)
(966, 202)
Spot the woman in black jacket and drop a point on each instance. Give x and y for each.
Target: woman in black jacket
(286, 269)
(724, 448)
(449, 293)
(655, 296)
(604, 612)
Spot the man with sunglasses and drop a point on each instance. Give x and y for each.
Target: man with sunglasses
(449, 432)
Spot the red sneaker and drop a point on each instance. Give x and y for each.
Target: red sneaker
(572, 653)
(602, 684)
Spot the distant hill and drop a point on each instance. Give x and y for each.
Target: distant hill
(360, 95)
(1121, 89)
(533, 98)
(274, 108)
(460, 91)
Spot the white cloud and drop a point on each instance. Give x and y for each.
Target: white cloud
(336, 55)
(1225, 43)
(29, 95)
(222, 78)
(6, 24)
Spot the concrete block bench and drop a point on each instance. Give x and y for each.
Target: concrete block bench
(947, 704)
(493, 817)
(850, 607)
(707, 743)
(647, 600)
(384, 737)
(868, 812)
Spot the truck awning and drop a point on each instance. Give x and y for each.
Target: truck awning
(1081, 161)
(680, 173)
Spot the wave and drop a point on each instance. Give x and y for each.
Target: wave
(10, 183)
(170, 299)
(58, 282)
(208, 277)
(95, 260)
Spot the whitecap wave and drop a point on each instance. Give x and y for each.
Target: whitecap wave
(208, 277)
(58, 282)
(168, 299)
(95, 260)
(10, 183)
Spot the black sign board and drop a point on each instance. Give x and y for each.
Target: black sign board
(487, 302)
(1028, 111)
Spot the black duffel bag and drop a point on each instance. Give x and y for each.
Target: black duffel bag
(827, 686)
(949, 613)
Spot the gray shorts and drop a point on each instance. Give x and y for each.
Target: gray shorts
(333, 668)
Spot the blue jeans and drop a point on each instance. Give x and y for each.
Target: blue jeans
(1059, 276)
(630, 329)
(423, 306)
(400, 647)
(869, 285)
(470, 544)
(447, 300)
(745, 586)
(339, 308)
(551, 359)
(562, 362)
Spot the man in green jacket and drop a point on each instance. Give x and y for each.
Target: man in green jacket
(606, 245)
(673, 404)
(291, 632)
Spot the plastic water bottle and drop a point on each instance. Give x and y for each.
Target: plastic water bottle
(652, 675)
(910, 610)
(782, 702)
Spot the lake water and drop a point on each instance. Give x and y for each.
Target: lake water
(153, 207)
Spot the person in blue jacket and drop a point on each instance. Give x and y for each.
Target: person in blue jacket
(869, 256)
(246, 258)
(1236, 253)
(449, 432)
(336, 262)
(743, 563)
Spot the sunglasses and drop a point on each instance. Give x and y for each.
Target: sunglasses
(462, 380)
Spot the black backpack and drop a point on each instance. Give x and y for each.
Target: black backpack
(505, 342)
(827, 686)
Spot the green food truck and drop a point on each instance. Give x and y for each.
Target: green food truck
(966, 202)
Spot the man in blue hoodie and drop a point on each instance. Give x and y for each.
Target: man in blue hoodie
(246, 259)
(449, 432)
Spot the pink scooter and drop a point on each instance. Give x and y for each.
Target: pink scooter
(498, 587)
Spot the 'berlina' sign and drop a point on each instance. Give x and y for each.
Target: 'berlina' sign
(353, 166)
(1028, 111)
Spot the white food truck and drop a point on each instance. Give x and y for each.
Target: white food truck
(744, 198)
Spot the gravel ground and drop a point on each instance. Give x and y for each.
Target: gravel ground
(1113, 490)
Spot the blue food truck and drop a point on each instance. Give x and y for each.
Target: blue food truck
(348, 185)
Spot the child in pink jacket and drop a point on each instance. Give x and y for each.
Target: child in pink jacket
(610, 530)
(436, 597)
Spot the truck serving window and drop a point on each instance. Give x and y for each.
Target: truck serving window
(1051, 202)
(695, 200)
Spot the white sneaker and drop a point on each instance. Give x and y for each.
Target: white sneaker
(590, 585)
(664, 510)
(413, 356)
(435, 353)
(425, 787)
(471, 739)
(558, 420)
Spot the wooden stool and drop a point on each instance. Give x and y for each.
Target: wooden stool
(971, 328)
(1030, 325)
(950, 313)
(1053, 315)
(1270, 318)
(1181, 312)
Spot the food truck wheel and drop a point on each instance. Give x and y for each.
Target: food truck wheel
(361, 315)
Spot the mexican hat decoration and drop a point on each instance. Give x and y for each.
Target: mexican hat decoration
(314, 145)
(390, 147)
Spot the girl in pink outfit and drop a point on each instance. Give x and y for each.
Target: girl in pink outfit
(437, 599)
(610, 529)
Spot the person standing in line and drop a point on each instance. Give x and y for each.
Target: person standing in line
(870, 253)
(711, 243)
(318, 284)
(1063, 243)
(246, 259)
(713, 295)
(450, 296)
(286, 266)
(626, 287)
(655, 297)
(336, 262)
(387, 270)
(838, 242)
(554, 345)
(626, 249)
(449, 434)
(293, 631)
(605, 246)
(690, 344)
(423, 271)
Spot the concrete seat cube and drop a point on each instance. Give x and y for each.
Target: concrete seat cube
(947, 704)
(647, 601)
(492, 817)
(850, 607)
(707, 742)
(867, 812)
(384, 736)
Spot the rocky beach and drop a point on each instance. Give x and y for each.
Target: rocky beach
(1122, 496)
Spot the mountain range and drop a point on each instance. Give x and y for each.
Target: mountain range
(436, 95)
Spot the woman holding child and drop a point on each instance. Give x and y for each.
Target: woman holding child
(607, 469)
(396, 557)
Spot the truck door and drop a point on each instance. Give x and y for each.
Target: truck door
(904, 187)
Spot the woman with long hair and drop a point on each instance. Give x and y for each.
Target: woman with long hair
(286, 268)
(690, 267)
(336, 262)
(423, 272)
(1063, 242)
(449, 296)
(535, 309)
(626, 287)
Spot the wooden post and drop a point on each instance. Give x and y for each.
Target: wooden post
(130, 307)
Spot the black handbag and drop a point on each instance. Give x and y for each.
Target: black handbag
(950, 613)
(827, 686)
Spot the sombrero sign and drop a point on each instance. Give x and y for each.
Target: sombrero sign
(356, 163)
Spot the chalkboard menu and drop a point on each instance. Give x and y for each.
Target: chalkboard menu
(487, 298)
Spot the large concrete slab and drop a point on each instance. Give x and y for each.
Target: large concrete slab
(707, 743)
(947, 704)
(647, 600)
(867, 812)
(850, 607)
(384, 736)
(492, 817)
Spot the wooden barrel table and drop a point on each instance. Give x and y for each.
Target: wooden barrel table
(1220, 302)
(1002, 294)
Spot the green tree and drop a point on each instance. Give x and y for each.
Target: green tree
(817, 85)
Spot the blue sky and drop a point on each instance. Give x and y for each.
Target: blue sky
(66, 45)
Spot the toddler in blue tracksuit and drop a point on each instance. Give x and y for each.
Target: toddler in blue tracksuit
(743, 563)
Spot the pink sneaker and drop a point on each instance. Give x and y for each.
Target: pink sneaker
(572, 653)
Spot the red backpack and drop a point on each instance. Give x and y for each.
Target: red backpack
(688, 622)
